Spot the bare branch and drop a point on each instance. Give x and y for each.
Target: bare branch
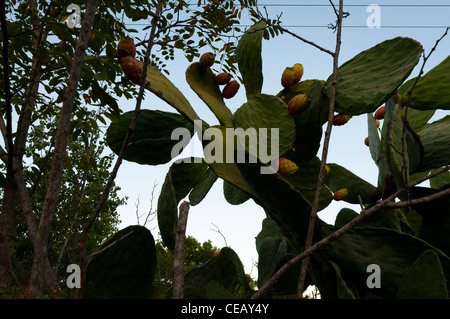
(178, 253)
(321, 180)
(217, 230)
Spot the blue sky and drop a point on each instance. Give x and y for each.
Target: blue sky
(240, 224)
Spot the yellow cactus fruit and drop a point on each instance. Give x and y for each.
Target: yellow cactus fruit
(341, 119)
(230, 89)
(131, 69)
(379, 114)
(126, 47)
(286, 167)
(298, 104)
(222, 78)
(287, 78)
(207, 59)
(298, 72)
(340, 194)
(327, 169)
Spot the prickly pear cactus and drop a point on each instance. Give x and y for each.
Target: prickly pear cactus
(406, 243)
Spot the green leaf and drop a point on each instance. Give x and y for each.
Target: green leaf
(180, 180)
(201, 80)
(371, 77)
(248, 56)
(151, 141)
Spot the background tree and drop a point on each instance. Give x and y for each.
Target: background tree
(50, 69)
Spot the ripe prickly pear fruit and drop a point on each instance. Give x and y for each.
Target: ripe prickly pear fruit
(286, 167)
(217, 253)
(207, 59)
(341, 119)
(298, 72)
(230, 89)
(287, 78)
(366, 141)
(298, 104)
(222, 78)
(340, 194)
(379, 114)
(126, 47)
(131, 69)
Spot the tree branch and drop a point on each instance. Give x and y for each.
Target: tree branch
(178, 253)
(48, 210)
(321, 180)
(109, 184)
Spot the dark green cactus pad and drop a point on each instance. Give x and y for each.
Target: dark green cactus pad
(180, 180)
(298, 88)
(248, 56)
(391, 250)
(125, 267)
(340, 178)
(151, 141)
(431, 91)
(435, 223)
(440, 181)
(374, 138)
(269, 112)
(214, 290)
(227, 170)
(308, 125)
(305, 181)
(392, 145)
(371, 77)
(201, 80)
(344, 216)
(218, 269)
(234, 195)
(419, 118)
(435, 138)
(229, 253)
(161, 86)
(425, 279)
(202, 188)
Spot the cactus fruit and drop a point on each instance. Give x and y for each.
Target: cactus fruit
(287, 78)
(379, 114)
(230, 89)
(299, 104)
(207, 59)
(340, 194)
(131, 69)
(341, 119)
(126, 47)
(298, 72)
(366, 141)
(222, 78)
(286, 167)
